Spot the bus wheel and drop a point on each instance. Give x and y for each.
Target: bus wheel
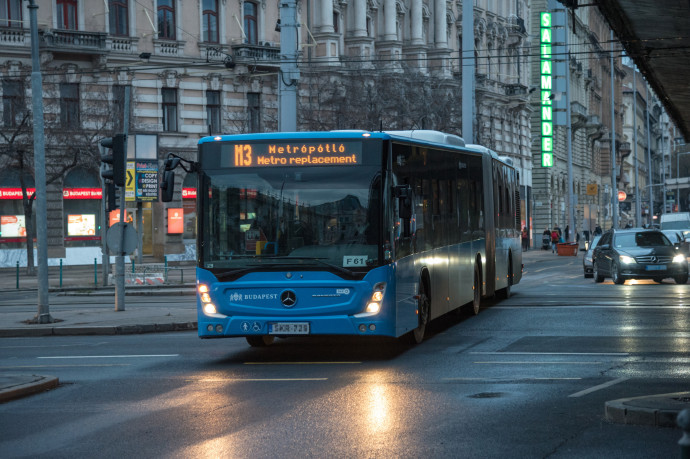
(476, 292)
(423, 312)
(260, 340)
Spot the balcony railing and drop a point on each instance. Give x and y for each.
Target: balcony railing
(72, 40)
(262, 55)
(13, 36)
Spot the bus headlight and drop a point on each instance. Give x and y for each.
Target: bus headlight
(210, 308)
(373, 308)
(679, 258)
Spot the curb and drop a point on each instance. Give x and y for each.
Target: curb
(95, 330)
(645, 410)
(42, 383)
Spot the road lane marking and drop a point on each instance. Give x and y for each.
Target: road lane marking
(302, 363)
(621, 354)
(599, 387)
(508, 380)
(66, 366)
(106, 356)
(256, 379)
(539, 363)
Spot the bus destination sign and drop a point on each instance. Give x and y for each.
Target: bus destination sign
(304, 154)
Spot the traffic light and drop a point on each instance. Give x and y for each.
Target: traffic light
(117, 157)
(112, 196)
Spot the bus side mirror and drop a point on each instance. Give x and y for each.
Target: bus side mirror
(404, 195)
(167, 186)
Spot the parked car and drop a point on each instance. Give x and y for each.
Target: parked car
(587, 263)
(636, 253)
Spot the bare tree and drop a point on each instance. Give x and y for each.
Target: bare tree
(66, 148)
(378, 99)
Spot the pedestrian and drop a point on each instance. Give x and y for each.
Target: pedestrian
(554, 239)
(525, 239)
(546, 239)
(566, 238)
(597, 230)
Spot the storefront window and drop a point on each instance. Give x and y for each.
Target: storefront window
(81, 205)
(189, 206)
(12, 219)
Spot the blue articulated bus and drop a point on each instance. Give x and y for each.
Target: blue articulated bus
(349, 232)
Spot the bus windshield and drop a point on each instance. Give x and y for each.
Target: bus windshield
(324, 217)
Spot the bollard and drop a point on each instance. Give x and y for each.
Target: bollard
(95, 272)
(133, 269)
(17, 275)
(683, 421)
(60, 272)
(181, 276)
(165, 267)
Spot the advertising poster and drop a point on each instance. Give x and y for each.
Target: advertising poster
(175, 220)
(81, 225)
(12, 226)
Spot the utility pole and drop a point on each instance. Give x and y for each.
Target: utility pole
(638, 205)
(649, 162)
(288, 75)
(43, 316)
(467, 65)
(569, 135)
(614, 183)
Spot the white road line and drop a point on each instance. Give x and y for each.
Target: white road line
(596, 388)
(302, 363)
(499, 380)
(656, 307)
(257, 379)
(107, 356)
(537, 363)
(621, 354)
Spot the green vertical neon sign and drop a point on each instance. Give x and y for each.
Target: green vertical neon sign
(546, 73)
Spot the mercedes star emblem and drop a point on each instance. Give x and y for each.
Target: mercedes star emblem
(288, 298)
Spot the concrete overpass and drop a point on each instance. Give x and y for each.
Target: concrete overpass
(656, 35)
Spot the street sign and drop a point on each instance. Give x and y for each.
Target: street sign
(116, 243)
(622, 195)
(130, 179)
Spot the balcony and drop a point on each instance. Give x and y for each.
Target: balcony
(263, 55)
(14, 37)
(58, 40)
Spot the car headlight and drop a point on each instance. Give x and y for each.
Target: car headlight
(679, 258)
(626, 259)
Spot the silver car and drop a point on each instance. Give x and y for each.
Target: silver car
(587, 262)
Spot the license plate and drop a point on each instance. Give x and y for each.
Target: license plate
(289, 328)
(656, 267)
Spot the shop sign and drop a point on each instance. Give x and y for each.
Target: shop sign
(15, 193)
(546, 66)
(82, 193)
(114, 217)
(175, 220)
(188, 193)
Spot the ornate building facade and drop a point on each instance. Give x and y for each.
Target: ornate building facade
(212, 66)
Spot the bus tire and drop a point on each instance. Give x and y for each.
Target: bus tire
(260, 340)
(423, 314)
(476, 291)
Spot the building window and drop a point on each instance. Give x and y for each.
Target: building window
(10, 13)
(336, 22)
(66, 14)
(169, 109)
(166, 19)
(12, 102)
(119, 24)
(213, 111)
(210, 18)
(69, 104)
(250, 23)
(254, 109)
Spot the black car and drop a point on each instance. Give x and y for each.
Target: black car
(638, 254)
(587, 261)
